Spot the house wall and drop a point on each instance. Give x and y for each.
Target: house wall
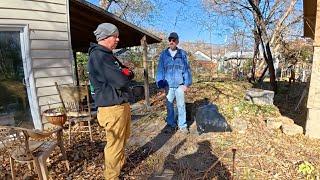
(49, 43)
(313, 105)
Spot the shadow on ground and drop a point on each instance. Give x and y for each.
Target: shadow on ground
(201, 164)
(140, 154)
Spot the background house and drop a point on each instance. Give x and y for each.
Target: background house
(232, 61)
(38, 41)
(202, 63)
(200, 56)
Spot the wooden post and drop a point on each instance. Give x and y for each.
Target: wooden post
(153, 69)
(76, 68)
(145, 72)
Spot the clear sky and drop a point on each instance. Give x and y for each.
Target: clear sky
(189, 19)
(172, 15)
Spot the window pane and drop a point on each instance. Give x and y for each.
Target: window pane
(14, 105)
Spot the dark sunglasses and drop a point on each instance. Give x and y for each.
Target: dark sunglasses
(172, 39)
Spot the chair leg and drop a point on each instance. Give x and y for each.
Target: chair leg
(43, 168)
(37, 168)
(90, 131)
(69, 132)
(62, 149)
(30, 166)
(13, 171)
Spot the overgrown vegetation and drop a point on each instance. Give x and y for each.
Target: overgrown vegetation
(261, 153)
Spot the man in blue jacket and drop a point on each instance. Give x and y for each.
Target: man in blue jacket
(174, 75)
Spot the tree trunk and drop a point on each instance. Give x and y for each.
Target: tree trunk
(255, 54)
(105, 4)
(262, 74)
(269, 60)
(272, 71)
(264, 40)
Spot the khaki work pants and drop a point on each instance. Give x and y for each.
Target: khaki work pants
(116, 121)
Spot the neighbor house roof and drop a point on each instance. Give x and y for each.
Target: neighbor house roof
(200, 56)
(309, 12)
(85, 17)
(237, 55)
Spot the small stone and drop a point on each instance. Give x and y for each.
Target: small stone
(236, 109)
(286, 120)
(273, 123)
(239, 125)
(291, 129)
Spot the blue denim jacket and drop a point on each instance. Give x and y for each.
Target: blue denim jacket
(173, 71)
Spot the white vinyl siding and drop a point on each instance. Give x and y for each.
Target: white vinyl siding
(46, 63)
(32, 6)
(49, 43)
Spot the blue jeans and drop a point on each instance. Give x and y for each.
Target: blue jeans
(178, 94)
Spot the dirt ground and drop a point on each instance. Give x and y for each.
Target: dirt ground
(257, 153)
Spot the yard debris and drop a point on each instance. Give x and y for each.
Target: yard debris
(261, 153)
(208, 119)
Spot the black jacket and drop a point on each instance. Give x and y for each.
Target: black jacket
(105, 73)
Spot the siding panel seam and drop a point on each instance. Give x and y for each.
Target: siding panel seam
(55, 12)
(61, 22)
(46, 2)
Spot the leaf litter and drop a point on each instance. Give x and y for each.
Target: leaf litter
(258, 153)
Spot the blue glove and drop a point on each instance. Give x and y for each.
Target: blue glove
(162, 84)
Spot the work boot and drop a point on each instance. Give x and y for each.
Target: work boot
(169, 129)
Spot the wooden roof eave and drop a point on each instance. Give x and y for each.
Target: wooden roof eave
(85, 17)
(309, 20)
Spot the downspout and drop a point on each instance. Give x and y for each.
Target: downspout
(71, 57)
(34, 107)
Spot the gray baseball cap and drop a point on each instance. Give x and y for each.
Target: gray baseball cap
(105, 30)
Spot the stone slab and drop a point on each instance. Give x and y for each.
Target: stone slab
(259, 96)
(291, 129)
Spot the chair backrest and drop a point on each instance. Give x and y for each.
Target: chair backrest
(74, 98)
(14, 139)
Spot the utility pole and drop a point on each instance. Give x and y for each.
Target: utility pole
(210, 32)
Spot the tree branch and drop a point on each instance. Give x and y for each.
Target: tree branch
(281, 20)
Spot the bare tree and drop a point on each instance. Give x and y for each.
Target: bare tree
(135, 11)
(268, 20)
(105, 4)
